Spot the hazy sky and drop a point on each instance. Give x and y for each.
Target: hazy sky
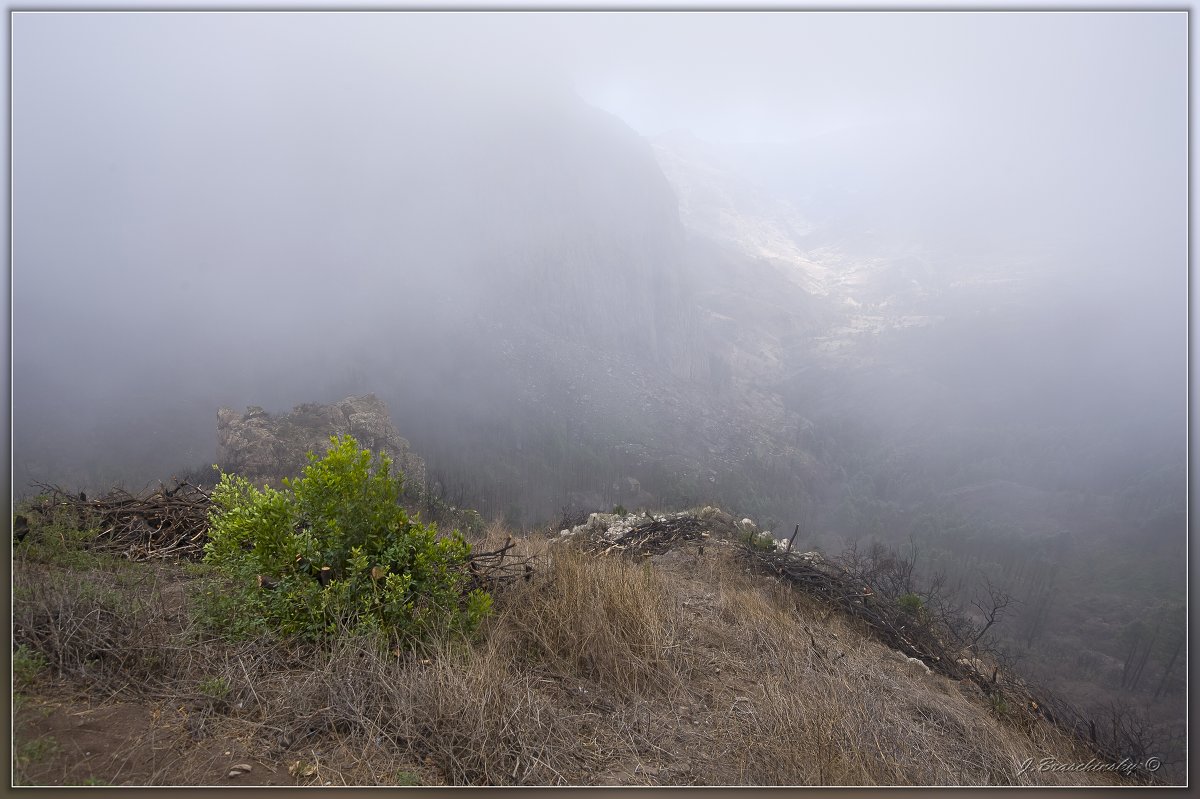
(784, 76)
(1069, 126)
(1079, 119)
(1035, 108)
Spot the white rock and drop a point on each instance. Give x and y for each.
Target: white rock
(922, 664)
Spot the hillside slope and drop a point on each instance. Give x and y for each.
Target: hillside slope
(682, 668)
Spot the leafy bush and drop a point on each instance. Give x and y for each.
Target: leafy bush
(334, 552)
(912, 604)
(27, 664)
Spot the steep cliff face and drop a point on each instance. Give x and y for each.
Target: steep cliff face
(600, 248)
(560, 216)
(260, 445)
(446, 209)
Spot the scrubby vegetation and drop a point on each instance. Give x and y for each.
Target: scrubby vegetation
(681, 668)
(334, 552)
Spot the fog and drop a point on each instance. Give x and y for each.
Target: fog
(271, 208)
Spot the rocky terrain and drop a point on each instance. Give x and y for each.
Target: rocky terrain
(262, 445)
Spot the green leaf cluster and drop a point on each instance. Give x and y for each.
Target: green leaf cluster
(334, 552)
(912, 604)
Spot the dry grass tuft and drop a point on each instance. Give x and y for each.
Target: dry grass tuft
(480, 720)
(616, 624)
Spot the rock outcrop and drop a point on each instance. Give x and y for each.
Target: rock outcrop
(609, 527)
(265, 446)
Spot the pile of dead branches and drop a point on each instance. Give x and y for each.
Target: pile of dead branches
(893, 625)
(167, 523)
(652, 537)
(496, 569)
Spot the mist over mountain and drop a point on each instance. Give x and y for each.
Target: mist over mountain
(387, 229)
(867, 275)
(475, 245)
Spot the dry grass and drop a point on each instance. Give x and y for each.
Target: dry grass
(684, 670)
(616, 625)
(111, 626)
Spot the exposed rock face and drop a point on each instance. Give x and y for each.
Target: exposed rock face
(259, 445)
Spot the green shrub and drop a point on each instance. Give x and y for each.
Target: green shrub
(467, 521)
(912, 604)
(27, 664)
(60, 536)
(38, 750)
(334, 552)
(763, 542)
(214, 687)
